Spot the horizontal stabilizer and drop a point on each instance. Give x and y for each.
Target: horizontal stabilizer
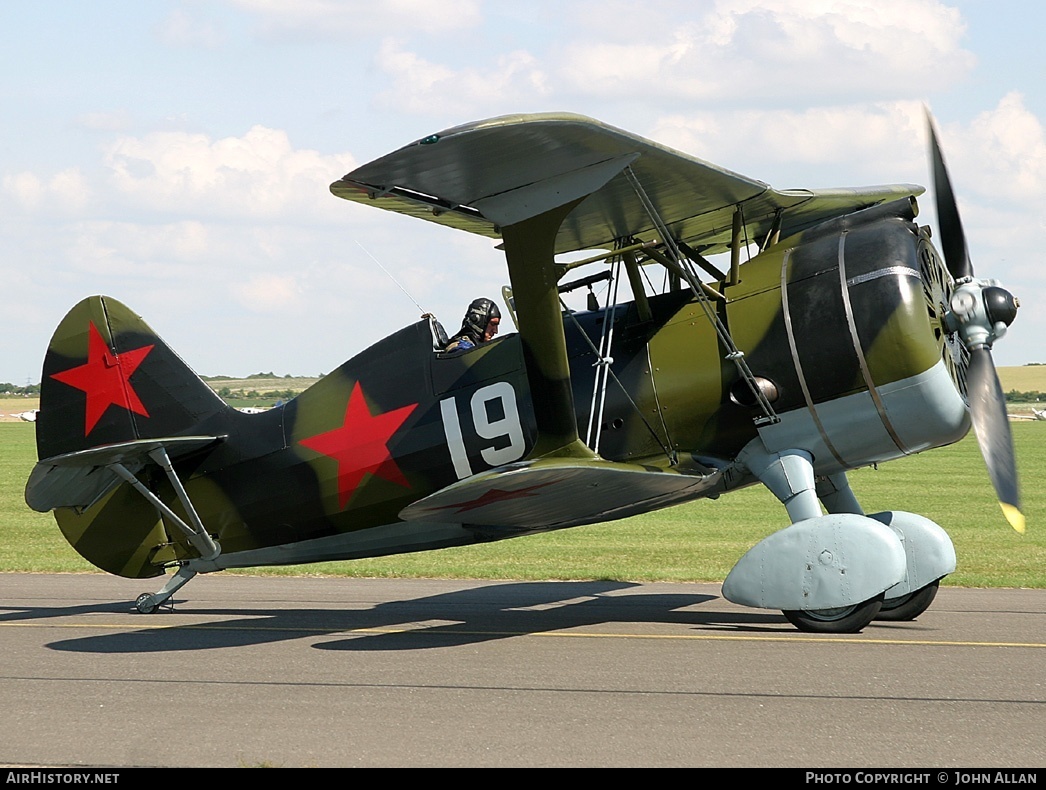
(558, 492)
(81, 478)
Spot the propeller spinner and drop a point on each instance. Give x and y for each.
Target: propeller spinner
(979, 311)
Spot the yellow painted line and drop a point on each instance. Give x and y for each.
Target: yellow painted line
(840, 639)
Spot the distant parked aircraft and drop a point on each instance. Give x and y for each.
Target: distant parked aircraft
(1036, 414)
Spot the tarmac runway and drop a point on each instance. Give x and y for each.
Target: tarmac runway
(299, 672)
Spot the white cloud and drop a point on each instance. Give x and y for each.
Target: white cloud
(65, 192)
(1004, 151)
(726, 53)
(743, 50)
(818, 147)
(265, 293)
(179, 174)
(257, 175)
(1000, 156)
(26, 188)
(424, 87)
(329, 18)
(139, 254)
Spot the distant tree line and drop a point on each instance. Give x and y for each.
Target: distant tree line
(10, 389)
(252, 376)
(1013, 396)
(226, 393)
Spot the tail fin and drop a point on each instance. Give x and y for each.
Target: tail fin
(116, 406)
(109, 378)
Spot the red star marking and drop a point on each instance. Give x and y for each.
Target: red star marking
(105, 377)
(360, 445)
(492, 496)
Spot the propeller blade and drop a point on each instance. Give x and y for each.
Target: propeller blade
(992, 427)
(953, 240)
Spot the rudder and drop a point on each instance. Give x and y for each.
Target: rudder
(108, 378)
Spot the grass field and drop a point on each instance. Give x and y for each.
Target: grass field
(696, 542)
(1026, 378)
(9, 406)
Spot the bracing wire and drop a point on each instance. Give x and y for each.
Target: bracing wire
(387, 272)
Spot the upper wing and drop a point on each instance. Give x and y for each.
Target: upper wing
(463, 177)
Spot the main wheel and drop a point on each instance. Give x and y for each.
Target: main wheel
(910, 606)
(844, 620)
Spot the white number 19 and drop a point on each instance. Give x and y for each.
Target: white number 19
(503, 426)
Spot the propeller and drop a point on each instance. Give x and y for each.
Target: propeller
(980, 311)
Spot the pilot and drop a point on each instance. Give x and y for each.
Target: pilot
(479, 326)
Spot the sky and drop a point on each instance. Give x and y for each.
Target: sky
(177, 154)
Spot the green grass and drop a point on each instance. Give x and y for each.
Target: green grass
(696, 542)
(29, 541)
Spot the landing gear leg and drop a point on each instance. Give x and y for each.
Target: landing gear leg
(836, 495)
(194, 530)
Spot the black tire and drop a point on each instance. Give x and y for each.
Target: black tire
(910, 606)
(845, 620)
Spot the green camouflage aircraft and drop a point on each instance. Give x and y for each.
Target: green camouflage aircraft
(845, 341)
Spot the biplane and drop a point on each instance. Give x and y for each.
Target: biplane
(831, 336)
(1036, 414)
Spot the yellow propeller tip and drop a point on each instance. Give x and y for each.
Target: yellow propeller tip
(1014, 516)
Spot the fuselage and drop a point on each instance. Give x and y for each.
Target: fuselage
(837, 323)
(839, 326)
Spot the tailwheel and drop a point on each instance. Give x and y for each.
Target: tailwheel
(146, 603)
(844, 620)
(910, 606)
